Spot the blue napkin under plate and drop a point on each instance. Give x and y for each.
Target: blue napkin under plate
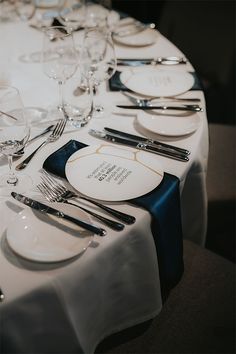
(163, 203)
(116, 85)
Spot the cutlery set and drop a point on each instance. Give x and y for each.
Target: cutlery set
(140, 145)
(53, 194)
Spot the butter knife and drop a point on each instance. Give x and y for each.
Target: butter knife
(43, 208)
(187, 107)
(146, 140)
(139, 145)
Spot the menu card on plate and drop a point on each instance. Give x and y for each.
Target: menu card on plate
(113, 173)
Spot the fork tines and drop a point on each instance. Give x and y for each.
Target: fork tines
(47, 179)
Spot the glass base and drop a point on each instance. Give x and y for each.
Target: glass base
(78, 116)
(31, 57)
(23, 184)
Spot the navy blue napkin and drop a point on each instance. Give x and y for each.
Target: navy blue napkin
(116, 85)
(164, 205)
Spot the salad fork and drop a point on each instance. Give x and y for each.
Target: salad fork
(61, 191)
(56, 133)
(52, 196)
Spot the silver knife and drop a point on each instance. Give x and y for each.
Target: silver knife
(43, 208)
(151, 61)
(187, 107)
(145, 140)
(1, 295)
(138, 145)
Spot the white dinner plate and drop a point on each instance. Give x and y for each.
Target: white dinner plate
(157, 82)
(140, 39)
(113, 173)
(45, 238)
(169, 125)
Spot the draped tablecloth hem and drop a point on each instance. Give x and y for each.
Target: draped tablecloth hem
(124, 326)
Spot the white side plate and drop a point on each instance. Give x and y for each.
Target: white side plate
(169, 125)
(45, 238)
(152, 81)
(140, 39)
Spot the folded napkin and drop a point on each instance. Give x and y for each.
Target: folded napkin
(163, 203)
(116, 85)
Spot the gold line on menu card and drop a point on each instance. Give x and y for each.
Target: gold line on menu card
(135, 154)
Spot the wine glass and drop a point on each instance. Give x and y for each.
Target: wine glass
(14, 133)
(96, 13)
(73, 14)
(25, 9)
(98, 59)
(59, 59)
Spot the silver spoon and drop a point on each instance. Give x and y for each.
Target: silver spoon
(45, 131)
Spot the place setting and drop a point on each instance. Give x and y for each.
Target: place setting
(107, 173)
(156, 97)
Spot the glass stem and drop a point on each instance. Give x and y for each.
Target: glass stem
(12, 179)
(61, 93)
(91, 93)
(91, 89)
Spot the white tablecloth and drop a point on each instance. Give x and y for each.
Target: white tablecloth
(71, 306)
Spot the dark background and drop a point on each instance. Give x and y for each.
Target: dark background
(205, 32)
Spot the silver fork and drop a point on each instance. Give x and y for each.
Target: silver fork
(52, 196)
(56, 133)
(143, 102)
(61, 191)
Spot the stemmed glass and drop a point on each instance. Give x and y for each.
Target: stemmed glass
(14, 133)
(98, 59)
(73, 14)
(59, 58)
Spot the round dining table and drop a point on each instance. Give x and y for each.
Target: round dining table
(70, 306)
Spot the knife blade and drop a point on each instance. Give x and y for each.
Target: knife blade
(43, 208)
(151, 61)
(135, 62)
(190, 108)
(138, 145)
(145, 140)
(1, 295)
